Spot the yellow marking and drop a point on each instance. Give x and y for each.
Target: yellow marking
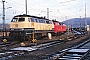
(34, 40)
(4, 40)
(32, 24)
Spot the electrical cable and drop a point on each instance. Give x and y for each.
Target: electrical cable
(29, 7)
(66, 7)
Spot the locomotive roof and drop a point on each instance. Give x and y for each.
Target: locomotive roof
(30, 16)
(57, 21)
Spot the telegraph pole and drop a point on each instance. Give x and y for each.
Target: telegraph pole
(4, 28)
(85, 19)
(3, 1)
(26, 6)
(48, 13)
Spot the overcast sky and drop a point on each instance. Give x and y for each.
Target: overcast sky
(58, 9)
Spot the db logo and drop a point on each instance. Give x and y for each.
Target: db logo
(16, 25)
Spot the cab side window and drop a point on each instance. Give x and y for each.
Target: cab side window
(47, 21)
(29, 20)
(35, 20)
(32, 20)
(21, 19)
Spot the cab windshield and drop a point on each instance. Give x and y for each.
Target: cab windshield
(18, 19)
(14, 20)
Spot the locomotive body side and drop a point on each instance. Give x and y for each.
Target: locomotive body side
(25, 25)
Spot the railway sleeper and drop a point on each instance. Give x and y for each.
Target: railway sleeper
(72, 54)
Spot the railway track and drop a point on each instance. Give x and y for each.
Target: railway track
(47, 45)
(5, 54)
(5, 44)
(74, 53)
(8, 45)
(19, 51)
(37, 47)
(10, 54)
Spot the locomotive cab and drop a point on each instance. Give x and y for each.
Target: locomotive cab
(59, 27)
(20, 22)
(19, 27)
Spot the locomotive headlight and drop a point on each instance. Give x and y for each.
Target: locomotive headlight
(11, 29)
(22, 44)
